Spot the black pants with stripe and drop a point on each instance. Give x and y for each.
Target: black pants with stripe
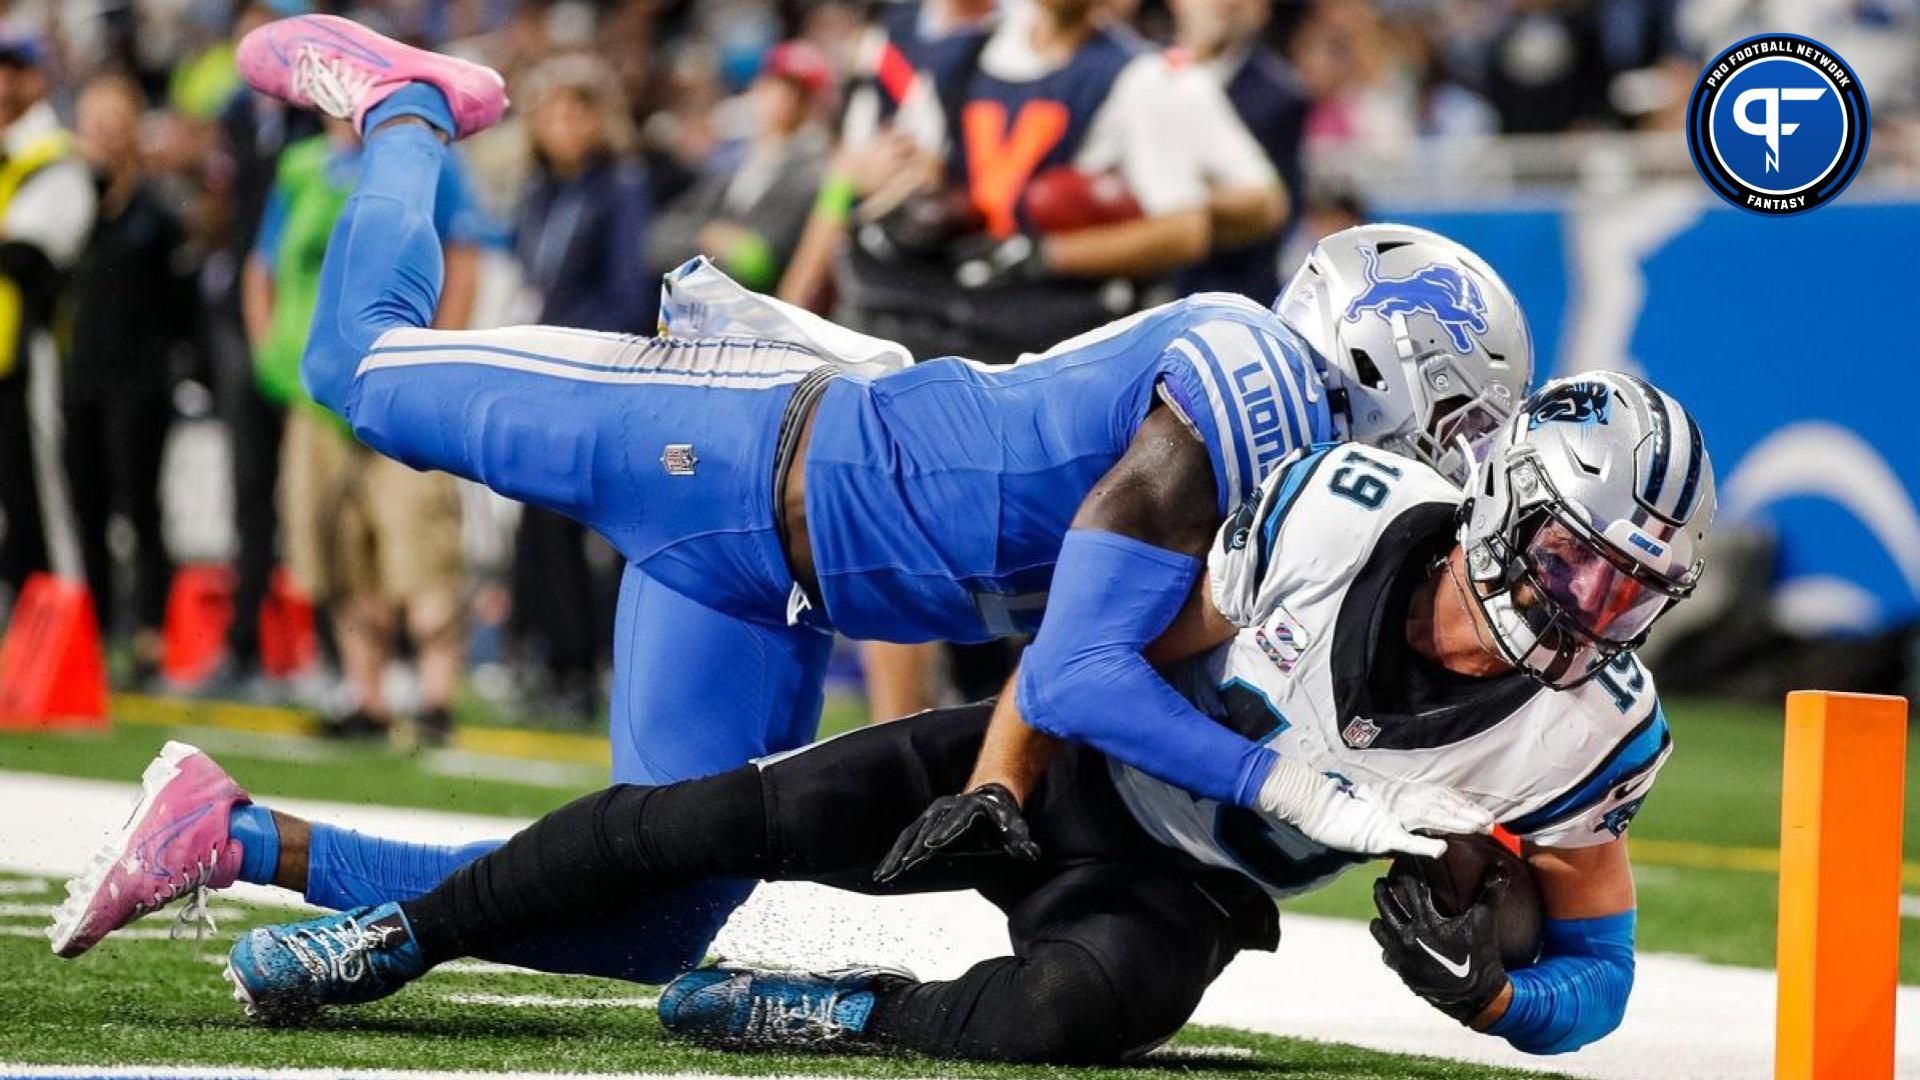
(1114, 937)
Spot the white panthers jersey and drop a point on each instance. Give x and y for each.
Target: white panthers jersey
(1317, 569)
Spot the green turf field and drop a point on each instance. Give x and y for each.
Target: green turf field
(161, 1001)
(146, 999)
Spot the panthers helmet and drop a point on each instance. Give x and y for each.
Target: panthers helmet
(1585, 523)
(1428, 347)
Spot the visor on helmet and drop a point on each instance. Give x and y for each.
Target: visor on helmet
(1567, 603)
(1603, 600)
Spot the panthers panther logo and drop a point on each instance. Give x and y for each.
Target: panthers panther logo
(1575, 403)
(1617, 819)
(1444, 292)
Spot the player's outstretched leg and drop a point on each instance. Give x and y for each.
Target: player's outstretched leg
(383, 266)
(176, 843)
(343, 69)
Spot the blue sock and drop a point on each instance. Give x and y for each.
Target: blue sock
(259, 842)
(414, 99)
(348, 869)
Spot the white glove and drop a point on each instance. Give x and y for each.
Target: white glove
(1369, 819)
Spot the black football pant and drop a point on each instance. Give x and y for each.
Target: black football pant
(23, 540)
(1114, 937)
(254, 429)
(112, 452)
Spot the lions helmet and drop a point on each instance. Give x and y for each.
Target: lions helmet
(1428, 346)
(1585, 523)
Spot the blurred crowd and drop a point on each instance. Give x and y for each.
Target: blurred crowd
(964, 176)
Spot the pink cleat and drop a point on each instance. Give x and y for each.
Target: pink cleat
(343, 69)
(175, 843)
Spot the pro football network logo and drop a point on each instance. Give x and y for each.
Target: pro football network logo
(1778, 124)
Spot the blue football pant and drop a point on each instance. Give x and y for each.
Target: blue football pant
(666, 447)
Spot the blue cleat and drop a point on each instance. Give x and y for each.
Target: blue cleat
(288, 972)
(738, 1008)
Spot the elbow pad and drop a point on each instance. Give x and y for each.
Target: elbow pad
(1084, 678)
(1577, 992)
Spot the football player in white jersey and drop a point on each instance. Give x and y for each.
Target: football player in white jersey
(1386, 634)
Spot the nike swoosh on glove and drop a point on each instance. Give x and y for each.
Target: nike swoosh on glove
(1451, 961)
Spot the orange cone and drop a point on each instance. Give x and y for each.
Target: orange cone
(199, 607)
(52, 671)
(287, 644)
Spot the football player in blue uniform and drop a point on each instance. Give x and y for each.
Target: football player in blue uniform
(1369, 620)
(763, 498)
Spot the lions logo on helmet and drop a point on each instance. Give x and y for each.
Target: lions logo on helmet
(1441, 291)
(1427, 350)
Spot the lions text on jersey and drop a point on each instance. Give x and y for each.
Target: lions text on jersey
(1317, 570)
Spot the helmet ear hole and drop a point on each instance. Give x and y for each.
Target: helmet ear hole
(1367, 371)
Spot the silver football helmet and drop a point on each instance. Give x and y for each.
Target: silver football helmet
(1585, 523)
(1429, 348)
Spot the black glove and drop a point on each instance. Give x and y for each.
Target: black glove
(1453, 962)
(984, 821)
(982, 261)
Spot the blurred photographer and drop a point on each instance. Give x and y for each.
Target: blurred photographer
(130, 311)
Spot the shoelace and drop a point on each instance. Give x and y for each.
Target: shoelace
(332, 84)
(336, 953)
(197, 914)
(769, 1019)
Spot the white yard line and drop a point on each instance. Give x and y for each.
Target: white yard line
(45, 911)
(1199, 1055)
(488, 967)
(14, 1071)
(464, 765)
(132, 933)
(550, 1001)
(1688, 1020)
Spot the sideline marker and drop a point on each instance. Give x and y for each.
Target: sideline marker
(52, 671)
(1839, 946)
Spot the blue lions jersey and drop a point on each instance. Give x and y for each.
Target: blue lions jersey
(937, 497)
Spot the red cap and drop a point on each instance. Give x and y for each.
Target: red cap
(804, 63)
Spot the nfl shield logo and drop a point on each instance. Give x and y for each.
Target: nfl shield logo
(679, 459)
(1360, 733)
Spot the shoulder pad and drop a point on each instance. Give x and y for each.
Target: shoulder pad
(1315, 518)
(1248, 385)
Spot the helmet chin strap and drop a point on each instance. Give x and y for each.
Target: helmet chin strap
(1476, 614)
(1340, 406)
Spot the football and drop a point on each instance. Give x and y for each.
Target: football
(1065, 199)
(1455, 881)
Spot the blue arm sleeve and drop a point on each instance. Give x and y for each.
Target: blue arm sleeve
(1084, 678)
(1577, 992)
